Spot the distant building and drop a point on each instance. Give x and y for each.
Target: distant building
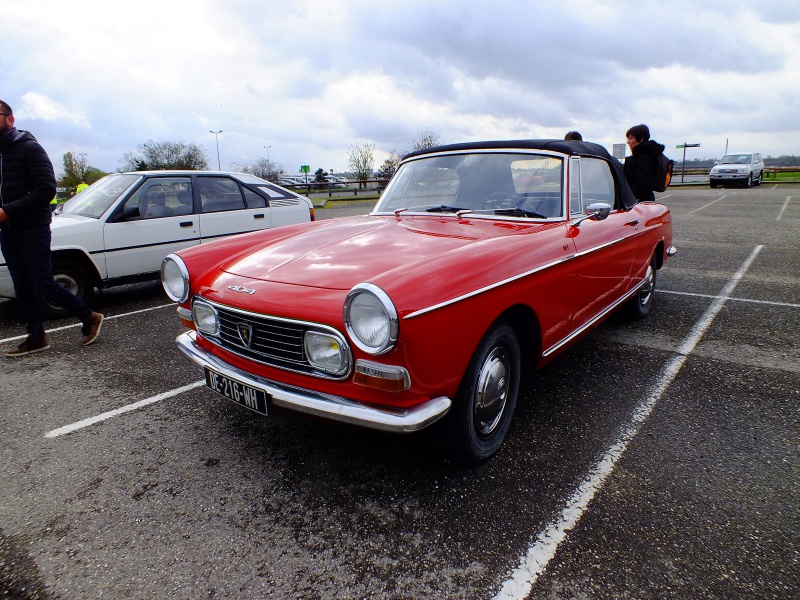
(619, 151)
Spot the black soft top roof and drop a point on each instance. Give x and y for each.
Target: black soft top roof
(624, 197)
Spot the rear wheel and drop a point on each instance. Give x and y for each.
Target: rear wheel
(487, 396)
(73, 276)
(642, 301)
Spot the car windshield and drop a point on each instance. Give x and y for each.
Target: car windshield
(500, 183)
(98, 197)
(736, 159)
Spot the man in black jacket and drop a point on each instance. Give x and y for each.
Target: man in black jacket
(27, 184)
(640, 166)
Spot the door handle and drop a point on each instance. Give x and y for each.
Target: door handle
(634, 222)
(258, 216)
(187, 223)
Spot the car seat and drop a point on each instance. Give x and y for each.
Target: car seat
(158, 207)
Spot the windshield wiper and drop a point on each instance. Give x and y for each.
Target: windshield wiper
(518, 212)
(445, 208)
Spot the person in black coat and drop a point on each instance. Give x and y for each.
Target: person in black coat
(640, 166)
(27, 185)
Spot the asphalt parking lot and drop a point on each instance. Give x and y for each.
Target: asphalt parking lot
(656, 459)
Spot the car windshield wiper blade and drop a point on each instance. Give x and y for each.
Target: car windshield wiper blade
(518, 212)
(445, 208)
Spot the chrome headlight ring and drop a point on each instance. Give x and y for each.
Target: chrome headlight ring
(370, 319)
(175, 278)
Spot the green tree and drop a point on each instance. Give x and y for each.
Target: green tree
(361, 160)
(77, 171)
(160, 156)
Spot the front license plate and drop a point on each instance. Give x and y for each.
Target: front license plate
(247, 396)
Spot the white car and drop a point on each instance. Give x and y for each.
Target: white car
(746, 168)
(121, 228)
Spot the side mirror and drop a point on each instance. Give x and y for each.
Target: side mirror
(596, 211)
(127, 213)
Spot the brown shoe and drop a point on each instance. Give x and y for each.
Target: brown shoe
(91, 328)
(30, 345)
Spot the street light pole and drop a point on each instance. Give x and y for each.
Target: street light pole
(216, 136)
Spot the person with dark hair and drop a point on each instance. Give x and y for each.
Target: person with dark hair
(27, 184)
(640, 166)
(574, 136)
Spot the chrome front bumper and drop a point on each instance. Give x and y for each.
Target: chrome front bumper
(324, 405)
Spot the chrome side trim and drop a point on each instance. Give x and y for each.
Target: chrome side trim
(487, 288)
(328, 406)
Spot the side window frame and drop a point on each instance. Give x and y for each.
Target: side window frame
(214, 204)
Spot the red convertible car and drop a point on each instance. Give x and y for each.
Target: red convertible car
(430, 307)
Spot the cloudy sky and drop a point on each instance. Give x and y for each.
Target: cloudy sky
(311, 78)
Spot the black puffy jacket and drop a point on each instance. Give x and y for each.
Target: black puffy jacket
(27, 181)
(640, 169)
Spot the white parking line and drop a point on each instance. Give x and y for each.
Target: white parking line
(707, 205)
(769, 302)
(542, 551)
(111, 318)
(783, 208)
(122, 410)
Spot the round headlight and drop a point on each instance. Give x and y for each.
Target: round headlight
(370, 319)
(205, 318)
(175, 278)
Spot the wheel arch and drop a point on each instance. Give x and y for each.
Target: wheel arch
(659, 254)
(525, 323)
(82, 259)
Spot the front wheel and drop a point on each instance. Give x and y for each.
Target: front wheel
(73, 276)
(487, 396)
(749, 181)
(759, 178)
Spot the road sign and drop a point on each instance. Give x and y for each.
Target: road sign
(305, 169)
(688, 146)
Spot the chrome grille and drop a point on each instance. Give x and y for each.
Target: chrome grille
(273, 341)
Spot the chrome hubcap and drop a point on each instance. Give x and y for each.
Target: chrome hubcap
(646, 291)
(492, 391)
(68, 282)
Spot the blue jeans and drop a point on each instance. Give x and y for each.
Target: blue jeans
(27, 254)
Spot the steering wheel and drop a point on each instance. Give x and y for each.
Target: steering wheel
(503, 200)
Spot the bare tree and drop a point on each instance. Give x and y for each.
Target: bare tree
(389, 165)
(361, 160)
(263, 168)
(157, 156)
(425, 139)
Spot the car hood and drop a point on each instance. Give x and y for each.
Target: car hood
(340, 253)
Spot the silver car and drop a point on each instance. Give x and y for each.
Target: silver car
(745, 168)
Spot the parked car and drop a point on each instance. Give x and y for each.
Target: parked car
(293, 180)
(121, 228)
(745, 168)
(429, 308)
